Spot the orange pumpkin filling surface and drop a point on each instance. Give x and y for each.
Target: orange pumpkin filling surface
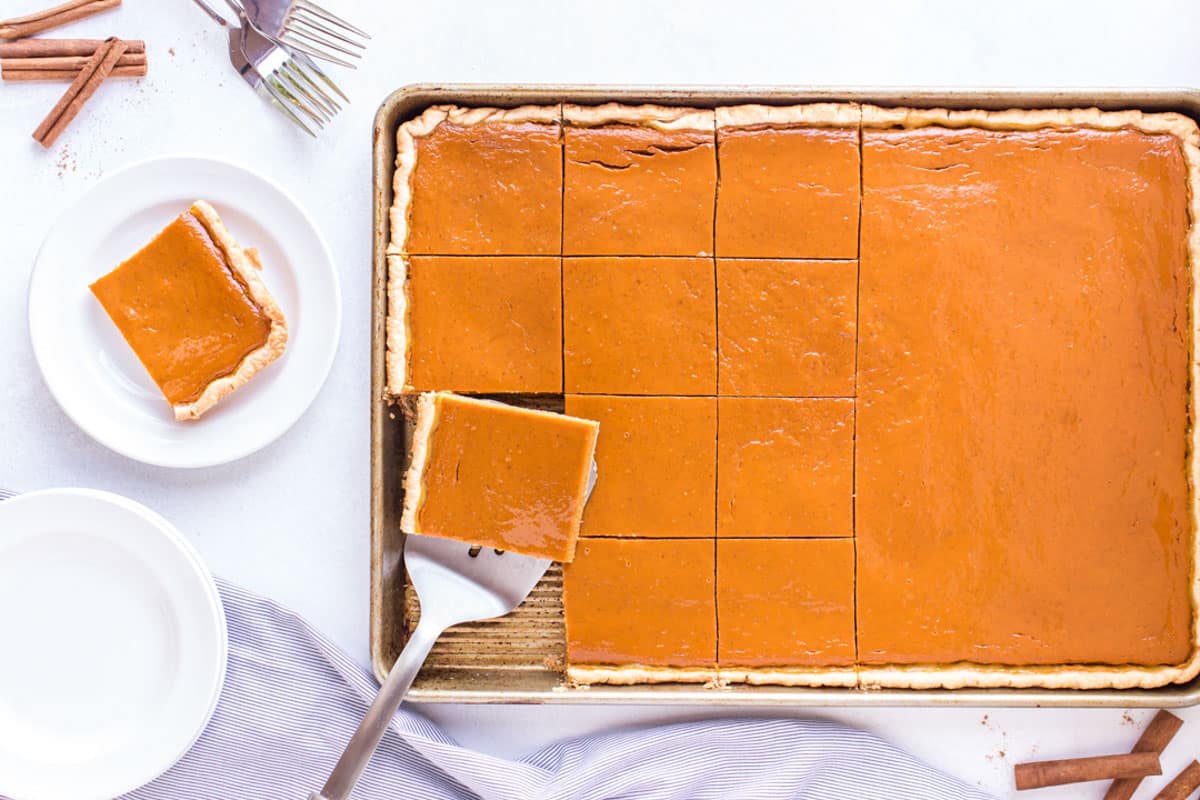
(183, 309)
(499, 476)
(1023, 398)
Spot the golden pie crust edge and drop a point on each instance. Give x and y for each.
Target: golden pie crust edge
(813, 115)
(396, 330)
(588, 674)
(246, 267)
(661, 118)
(414, 484)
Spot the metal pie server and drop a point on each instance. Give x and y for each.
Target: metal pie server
(456, 582)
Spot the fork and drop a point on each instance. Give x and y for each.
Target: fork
(307, 27)
(295, 85)
(455, 583)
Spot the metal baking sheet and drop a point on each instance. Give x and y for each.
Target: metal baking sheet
(519, 659)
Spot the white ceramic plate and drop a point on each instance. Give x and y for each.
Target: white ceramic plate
(92, 372)
(114, 645)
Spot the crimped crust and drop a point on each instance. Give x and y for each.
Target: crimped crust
(991, 676)
(246, 267)
(396, 326)
(414, 483)
(816, 115)
(586, 674)
(662, 118)
(790, 676)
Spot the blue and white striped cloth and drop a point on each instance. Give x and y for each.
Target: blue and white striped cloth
(292, 699)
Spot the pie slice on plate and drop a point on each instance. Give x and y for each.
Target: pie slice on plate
(193, 306)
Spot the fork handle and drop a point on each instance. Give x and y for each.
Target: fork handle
(370, 731)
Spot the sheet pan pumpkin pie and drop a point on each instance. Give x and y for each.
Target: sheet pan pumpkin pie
(887, 397)
(193, 306)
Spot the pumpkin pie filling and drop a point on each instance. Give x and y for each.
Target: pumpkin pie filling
(658, 457)
(1022, 445)
(483, 324)
(789, 182)
(189, 310)
(638, 181)
(639, 326)
(786, 603)
(643, 607)
(497, 475)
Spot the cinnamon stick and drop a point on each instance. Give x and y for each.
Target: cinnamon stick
(136, 71)
(1037, 774)
(53, 48)
(81, 89)
(1182, 785)
(70, 63)
(39, 21)
(1154, 739)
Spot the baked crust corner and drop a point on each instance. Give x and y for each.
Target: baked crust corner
(247, 268)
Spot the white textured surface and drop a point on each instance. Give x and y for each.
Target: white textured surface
(291, 521)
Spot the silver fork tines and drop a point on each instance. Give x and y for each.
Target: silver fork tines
(289, 80)
(311, 29)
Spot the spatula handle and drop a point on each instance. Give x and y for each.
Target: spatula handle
(370, 731)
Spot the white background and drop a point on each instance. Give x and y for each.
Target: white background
(291, 521)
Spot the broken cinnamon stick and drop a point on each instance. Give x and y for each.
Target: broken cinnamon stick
(1154, 739)
(81, 89)
(1038, 774)
(136, 71)
(53, 48)
(39, 21)
(1182, 785)
(71, 63)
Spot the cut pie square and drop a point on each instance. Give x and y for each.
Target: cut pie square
(786, 608)
(658, 456)
(641, 610)
(786, 328)
(193, 307)
(479, 324)
(789, 181)
(639, 326)
(479, 181)
(497, 475)
(639, 181)
(784, 467)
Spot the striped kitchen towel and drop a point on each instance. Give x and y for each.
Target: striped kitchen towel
(292, 699)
